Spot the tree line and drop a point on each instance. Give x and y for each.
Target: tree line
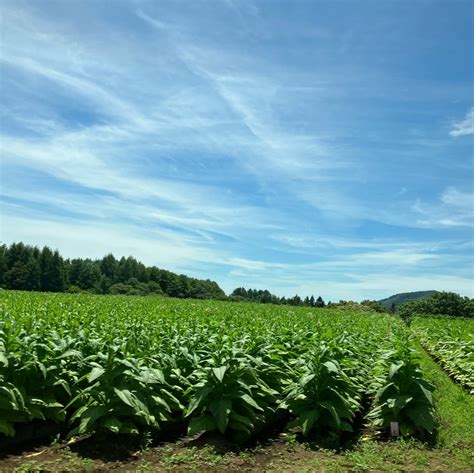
(28, 268)
(439, 304)
(266, 297)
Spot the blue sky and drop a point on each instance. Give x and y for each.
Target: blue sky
(310, 147)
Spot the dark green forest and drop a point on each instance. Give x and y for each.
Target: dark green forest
(438, 304)
(29, 268)
(395, 301)
(266, 297)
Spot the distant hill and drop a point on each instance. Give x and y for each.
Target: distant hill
(398, 299)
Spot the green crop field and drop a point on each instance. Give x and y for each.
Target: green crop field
(134, 366)
(451, 341)
(124, 365)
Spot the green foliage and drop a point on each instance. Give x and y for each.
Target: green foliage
(122, 395)
(318, 303)
(74, 290)
(393, 302)
(440, 303)
(374, 306)
(230, 398)
(364, 306)
(324, 395)
(402, 394)
(137, 364)
(241, 294)
(451, 342)
(24, 267)
(133, 287)
(52, 271)
(454, 406)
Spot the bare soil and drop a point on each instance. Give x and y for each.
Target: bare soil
(285, 452)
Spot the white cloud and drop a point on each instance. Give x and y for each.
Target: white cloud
(384, 284)
(192, 139)
(464, 127)
(175, 251)
(358, 262)
(252, 97)
(343, 276)
(455, 198)
(353, 286)
(230, 114)
(95, 239)
(323, 241)
(454, 209)
(85, 88)
(195, 209)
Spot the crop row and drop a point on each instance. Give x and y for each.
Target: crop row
(451, 342)
(131, 365)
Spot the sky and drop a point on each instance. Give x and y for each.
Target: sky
(310, 147)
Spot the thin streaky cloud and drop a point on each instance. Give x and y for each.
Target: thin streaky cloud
(251, 143)
(464, 127)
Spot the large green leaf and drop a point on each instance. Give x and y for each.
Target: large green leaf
(3, 359)
(197, 400)
(306, 421)
(220, 411)
(7, 428)
(201, 424)
(220, 372)
(394, 368)
(330, 407)
(130, 399)
(95, 373)
(89, 417)
(331, 366)
(426, 392)
(242, 419)
(422, 418)
(112, 423)
(249, 401)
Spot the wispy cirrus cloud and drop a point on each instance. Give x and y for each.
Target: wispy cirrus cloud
(183, 254)
(454, 209)
(464, 127)
(234, 142)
